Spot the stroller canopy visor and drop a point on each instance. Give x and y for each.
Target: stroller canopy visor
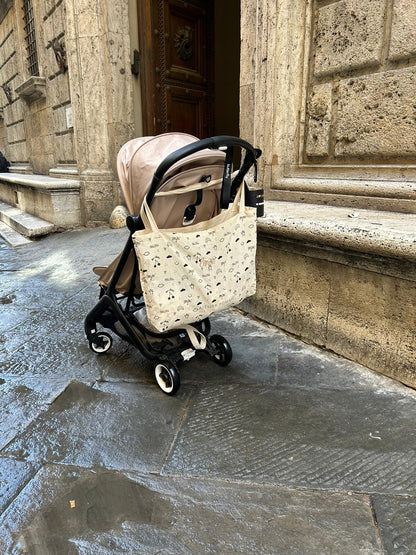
(139, 158)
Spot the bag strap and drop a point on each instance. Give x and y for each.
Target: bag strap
(198, 339)
(226, 179)
(147, 217)
(150, 223)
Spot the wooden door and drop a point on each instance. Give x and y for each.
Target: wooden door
(177, 54)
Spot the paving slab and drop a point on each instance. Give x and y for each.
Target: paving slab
(45, 285)
(63, 261)
(230, 323)
(249, 339)
(11, 316)
(396, 519)
(70, 510)
(14, 475)
(114, 425)
(289, 449)
(9, 259)
(51, 343)
(78, 250)
(320, 439)
(313, 368)
(130, 365)
(22, 400)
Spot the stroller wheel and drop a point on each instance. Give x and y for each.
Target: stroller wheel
(101, 342)
(167, 377)
(224, 353)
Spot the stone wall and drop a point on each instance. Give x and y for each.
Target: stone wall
(102, 91)
(327, 91)
(362, 83)
(38, 136)
(2, 134)
(14, 110)
(57, 86)
(69, 121)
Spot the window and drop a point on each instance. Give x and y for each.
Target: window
(29, 28)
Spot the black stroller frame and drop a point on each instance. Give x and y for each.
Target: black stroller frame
(116, 311)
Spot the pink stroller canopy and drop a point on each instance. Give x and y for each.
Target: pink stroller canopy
(139, 158)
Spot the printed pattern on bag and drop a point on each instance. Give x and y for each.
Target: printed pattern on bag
(186, 276)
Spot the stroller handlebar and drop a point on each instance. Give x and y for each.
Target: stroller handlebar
(213, 143)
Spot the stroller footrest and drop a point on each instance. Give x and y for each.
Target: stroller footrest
(188, 354)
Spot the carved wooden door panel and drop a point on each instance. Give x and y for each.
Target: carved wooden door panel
(177, 66)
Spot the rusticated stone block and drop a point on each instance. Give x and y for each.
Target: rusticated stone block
(319, 123)
(18, 152)
(8, 46)
(64, 147)
(403, 31)
(377, 115)
(348, 35)
(4, 8)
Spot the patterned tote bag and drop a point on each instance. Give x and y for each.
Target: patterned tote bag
(189, 273)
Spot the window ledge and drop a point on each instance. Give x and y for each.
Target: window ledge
(32, 89)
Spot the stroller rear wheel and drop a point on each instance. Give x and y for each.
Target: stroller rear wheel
(167, 377)
(101, 342)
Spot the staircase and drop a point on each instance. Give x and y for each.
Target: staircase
(32, 206)
(19, 228)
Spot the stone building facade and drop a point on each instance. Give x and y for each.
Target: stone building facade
(338, 81)
(327, 91)
(70, 120)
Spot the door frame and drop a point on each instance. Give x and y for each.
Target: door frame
(149, 34)
(147, 65)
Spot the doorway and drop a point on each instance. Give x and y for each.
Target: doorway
(190, 59)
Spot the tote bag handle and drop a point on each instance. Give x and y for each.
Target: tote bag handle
(150, 224)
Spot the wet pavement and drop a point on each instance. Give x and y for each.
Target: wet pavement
(289, 449)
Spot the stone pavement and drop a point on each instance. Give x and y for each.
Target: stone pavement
(287, 450)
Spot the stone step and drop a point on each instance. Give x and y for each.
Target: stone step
(12, 237)
(56, 200)
(375, 232)
(25, 224)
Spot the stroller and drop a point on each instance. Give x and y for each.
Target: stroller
(155, 169)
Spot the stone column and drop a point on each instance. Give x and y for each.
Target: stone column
(272, 44)
(98, 53)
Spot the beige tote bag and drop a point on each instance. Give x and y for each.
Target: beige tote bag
(189, 273)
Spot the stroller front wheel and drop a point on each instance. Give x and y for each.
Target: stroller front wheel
(223, 353)
(167, 377)
(101, 342)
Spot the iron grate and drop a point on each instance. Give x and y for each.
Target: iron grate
(29, 28)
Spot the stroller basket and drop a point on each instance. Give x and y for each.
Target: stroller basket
(178, 184)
